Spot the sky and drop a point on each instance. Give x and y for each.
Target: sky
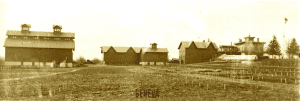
(138, 23)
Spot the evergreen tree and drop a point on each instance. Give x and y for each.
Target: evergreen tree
(274, 47)
(292, 48)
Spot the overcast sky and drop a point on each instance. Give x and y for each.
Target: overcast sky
(139, 23)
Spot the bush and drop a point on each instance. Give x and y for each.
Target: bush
(81, 60)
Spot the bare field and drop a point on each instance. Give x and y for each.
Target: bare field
(126, 82)
(21, 73)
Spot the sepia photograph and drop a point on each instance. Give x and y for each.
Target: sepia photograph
(149, 50)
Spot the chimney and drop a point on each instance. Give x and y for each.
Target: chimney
(153, 45)
(203, 40)
(25, 28)
(240, 40)
(257, 39)
(57, 29)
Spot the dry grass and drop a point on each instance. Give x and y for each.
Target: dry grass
(118, 83)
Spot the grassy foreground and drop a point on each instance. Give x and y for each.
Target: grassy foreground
(118, 83)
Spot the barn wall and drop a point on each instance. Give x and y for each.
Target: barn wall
(37, 54)
(182, 54)
(155, 57)
(192, 54)
(112, 57)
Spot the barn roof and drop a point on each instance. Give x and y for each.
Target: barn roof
(33, 43)
(159, 50)
(198, 44)
(40, 33)
(120, 49)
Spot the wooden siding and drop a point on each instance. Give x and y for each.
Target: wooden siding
(182, 54)
(154, 57)
(195, 55)
(112, 57)
(38, 54)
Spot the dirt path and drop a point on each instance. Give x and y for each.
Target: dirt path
(290, 87)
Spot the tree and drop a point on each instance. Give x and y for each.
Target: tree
(96, 61)
(81, 59)
(292, 48)
(274, 47)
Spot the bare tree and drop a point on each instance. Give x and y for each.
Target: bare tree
(81, 59)
(96, 61)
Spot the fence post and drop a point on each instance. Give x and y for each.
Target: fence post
(284, 80)
(207, 86)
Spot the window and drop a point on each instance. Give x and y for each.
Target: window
(56, 29)
(46, 38)
(67, 38)
(36, 37)
(14, 37)
(24, 37)
(56, 38)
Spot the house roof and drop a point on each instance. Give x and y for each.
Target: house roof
(158, 50)
(198, 44)
(120, 49)
(40, 33)
(238, 43)
(28, 25)
(226, 46)
(33, 43)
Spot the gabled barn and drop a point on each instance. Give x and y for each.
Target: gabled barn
(39, 48)
(154, 56)
(121, 55)
(196, 52)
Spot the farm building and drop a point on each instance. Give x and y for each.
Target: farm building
(154, 56)
(250, 47)
(39, 48)
(228, 49)
(196, 52)
(134, 55)
(121, 55)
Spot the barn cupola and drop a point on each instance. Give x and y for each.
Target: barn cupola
(25, 28)
(57, 29)
(153, 45)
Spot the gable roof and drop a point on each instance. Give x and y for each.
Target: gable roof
(120, 49)
(26, 25)
(40, 33)
(159, 50)
(33, 43)
(187, 44)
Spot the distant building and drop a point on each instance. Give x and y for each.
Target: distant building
(121, 55)
(154, 56)
(250, 47)
(39, 48)
(135, 55)
(196, 52)
(228, 50)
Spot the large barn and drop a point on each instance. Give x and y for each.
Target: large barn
(196, 52)
(134, 55)
(39, 48)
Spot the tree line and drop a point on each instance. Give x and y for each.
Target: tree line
(274, 48)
